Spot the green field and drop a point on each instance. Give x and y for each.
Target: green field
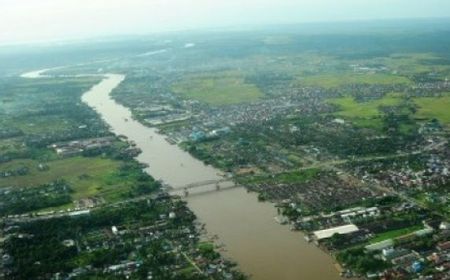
(364, 114)
(49, 124)
(37, 112)
(12, 145)
(341, 79)
(349, 108)
(395, 233)
(414, 63)
(87, 176)
(216, 90)
(434, 107)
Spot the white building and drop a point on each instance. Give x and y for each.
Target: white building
(327, 233)
(114, 230)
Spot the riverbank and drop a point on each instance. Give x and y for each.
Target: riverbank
(252, 238)
(72, 170)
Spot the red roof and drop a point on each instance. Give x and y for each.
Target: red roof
(444, 245)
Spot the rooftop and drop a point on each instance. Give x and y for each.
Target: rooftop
(327, 233)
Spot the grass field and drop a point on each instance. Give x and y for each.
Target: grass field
(48, 124)
(216, 90)
(438, 108)
(395, 233)
(414, 63)
(11, 145)
(365, 114)
(349, 108)
(46, 110)
(341, 79)
(87, 176)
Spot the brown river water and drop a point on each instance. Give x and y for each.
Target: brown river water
(263, 248)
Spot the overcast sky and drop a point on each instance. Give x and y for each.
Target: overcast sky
(32, 20)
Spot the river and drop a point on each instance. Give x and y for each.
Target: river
(262, 248)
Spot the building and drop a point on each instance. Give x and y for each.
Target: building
(378, 246)
(114, 230)
(327, 233)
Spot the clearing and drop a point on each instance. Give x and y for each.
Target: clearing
(87, 176)
(215, 90)
(434, 107)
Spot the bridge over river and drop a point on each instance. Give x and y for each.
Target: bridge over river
(253, 239)
(200, 187)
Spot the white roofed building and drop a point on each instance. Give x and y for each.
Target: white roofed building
(327, 233)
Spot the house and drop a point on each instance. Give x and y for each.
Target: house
(80, 212)
(444, 226)
(339, 121)
(423, 232)
(406, 258)
(220, 132)
(443, 246)
(398, 256)
(197, 136)
(68, 242)
(114, 230)
(67, 152)
(417, 267)
(349, 214)
(386, 252)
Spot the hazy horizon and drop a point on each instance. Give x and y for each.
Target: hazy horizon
(46, 20)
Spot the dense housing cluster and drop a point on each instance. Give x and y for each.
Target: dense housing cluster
(351, 143)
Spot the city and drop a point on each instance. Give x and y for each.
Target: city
(298, 151)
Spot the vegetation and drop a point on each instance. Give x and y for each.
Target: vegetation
(348, 107)
(43, 242)
(68, 215)
(434, 108)
(54, 113)
(359, 261)
(395, 233)
(265, 108)
(18, 201)
(341, 79)
(218, 90)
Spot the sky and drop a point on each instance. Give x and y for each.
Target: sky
(42, 20)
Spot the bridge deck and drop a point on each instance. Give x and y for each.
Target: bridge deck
(199, 187)
(201, 184)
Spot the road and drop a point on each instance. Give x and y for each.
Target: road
(327, 165)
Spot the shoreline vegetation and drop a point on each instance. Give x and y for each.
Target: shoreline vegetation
(75, 179)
